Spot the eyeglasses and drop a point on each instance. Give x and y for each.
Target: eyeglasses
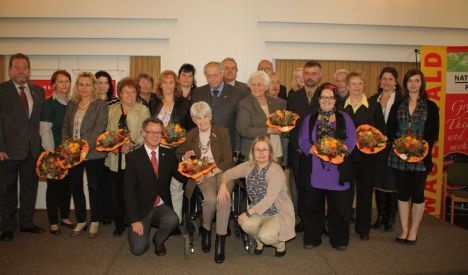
(262, 150)
(328, 97)
(153, 133)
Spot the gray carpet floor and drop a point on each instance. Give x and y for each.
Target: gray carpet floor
(441, 249)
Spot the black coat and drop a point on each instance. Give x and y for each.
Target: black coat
(180, 113)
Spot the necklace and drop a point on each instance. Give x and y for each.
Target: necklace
(204, 148)
(84, 106)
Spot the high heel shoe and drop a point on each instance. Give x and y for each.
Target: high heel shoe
(93, 230)
(55, 229)
(68, 225)
(79, 227)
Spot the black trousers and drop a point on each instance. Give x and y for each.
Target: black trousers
(105, 194)
(364, 175)
(58, 196)
(411, 185)
(162, 217)
(9, 170)
(76, 184)
(116, 179)
(313, 215)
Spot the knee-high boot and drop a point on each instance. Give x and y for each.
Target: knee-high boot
(391, 210)
(219, 251)
(380, 202)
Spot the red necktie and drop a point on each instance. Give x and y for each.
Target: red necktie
(24, 99)
(154, 162)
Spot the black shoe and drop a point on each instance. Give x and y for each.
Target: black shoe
(160, 250)
(6, 236)
(364, 237)
(340, 247)
(106, 222)
(308, 245)
(33, 229)
(413, 242)
(258, 251)
(206, 239)
(389, 227)
(280, 253)
(219, 250)
(68, 225)
(176, 232)
(400, 240)
(118, 231)
(378, 223)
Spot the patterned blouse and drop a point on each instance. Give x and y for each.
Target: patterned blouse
(257, 188)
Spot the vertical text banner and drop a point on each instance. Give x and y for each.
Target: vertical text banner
(434, 67)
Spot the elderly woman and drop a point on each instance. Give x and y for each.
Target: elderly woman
(389, 93)
(171, 106)
(86, 118)
(58, 191)
(362, 112)
(270, 218)
(211, 142)
(418, 115)
(129, 115)
(327, 182)
(252, 114)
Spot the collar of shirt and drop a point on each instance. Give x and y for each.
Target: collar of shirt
(148, 152)
(25, 85)
(355, 107)
(59, 99)
(232, 83)
(220, 89)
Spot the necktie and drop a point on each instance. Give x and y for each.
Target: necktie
(24, 99)
(309, 97)
(215, 93)
(154, 162)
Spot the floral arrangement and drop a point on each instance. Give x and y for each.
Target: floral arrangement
(283, 120)
(369, 139)
(410, 148)
(173, 134)
(48, 166)
(330, 149)
(112, 139)
(195, 168)
(72, 152)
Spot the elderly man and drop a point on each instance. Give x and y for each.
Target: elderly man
(230, 76)
(339, 78)
(267, 67)
(222, 98)
(20, 145)
(147, 196)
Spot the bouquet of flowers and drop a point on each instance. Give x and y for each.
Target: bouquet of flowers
(72, 152)
(173, 134)
(283, 120)
(48, 166)
(330, 149)
(369, 139)
(195, 168)
(112, 139)
(410, 148)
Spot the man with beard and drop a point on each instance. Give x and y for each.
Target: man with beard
(302, 102)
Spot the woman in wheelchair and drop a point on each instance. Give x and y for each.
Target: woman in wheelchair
(212, 142)
(270, 219)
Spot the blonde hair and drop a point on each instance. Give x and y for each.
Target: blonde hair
(76, 97)
(294, 85)
(265, 139)
(167, 74)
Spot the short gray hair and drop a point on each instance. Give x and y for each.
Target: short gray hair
(200, 109)
(214, 64)
(260, 74)
(340, 71)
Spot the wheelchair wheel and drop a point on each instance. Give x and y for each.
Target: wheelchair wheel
(188, 246)
(252, 244)
(245, 241)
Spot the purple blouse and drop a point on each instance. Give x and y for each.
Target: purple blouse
(326, 176)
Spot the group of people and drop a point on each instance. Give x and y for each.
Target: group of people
(138, 186)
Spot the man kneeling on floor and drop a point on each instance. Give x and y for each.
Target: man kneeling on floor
(148, 174)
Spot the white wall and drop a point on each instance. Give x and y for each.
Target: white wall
(93, 35)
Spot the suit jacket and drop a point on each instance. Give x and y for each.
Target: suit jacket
(282, 93)
(251, 120)
(141, 185)
(94, 123)
(241, 86)
(19, 132)
(220, 145)
(180, 113)
(224, 109)
(297, 103)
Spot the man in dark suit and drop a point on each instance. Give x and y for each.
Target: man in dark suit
(230, 76)
(147, 180)
(20, 145)
(223, 100)
(302, 102)
(267, 67)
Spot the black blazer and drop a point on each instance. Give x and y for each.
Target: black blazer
(224, 109)
(297, 103)
(180, 113)
(141, 185)
(19, 133)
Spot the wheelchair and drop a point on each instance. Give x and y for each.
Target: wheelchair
(192, 209)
